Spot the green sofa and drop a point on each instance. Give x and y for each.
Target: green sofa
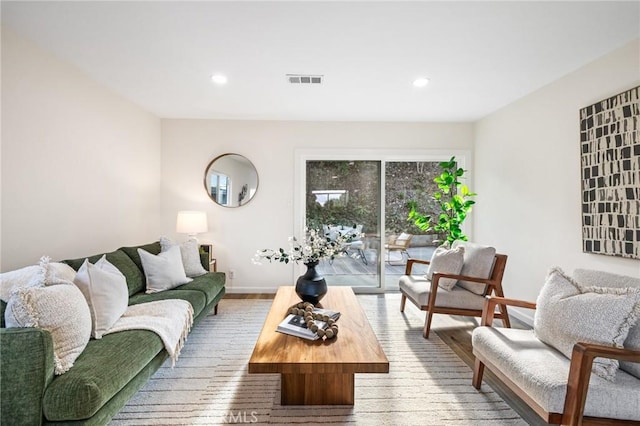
(108, 372)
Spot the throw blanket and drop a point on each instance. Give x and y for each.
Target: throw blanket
(170, 319)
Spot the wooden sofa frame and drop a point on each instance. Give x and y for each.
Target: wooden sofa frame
(493, 283)
(578, 379)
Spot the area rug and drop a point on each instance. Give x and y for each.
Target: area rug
(427, 383)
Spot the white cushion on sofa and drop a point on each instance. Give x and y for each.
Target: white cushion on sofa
(446, 261)
(568, 312)
(13, 280)
(163, 271)
(105, 289)
(45, 273)
(478, 263)
(190, 252)
(60, 309)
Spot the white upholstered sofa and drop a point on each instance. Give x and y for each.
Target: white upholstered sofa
(599, 311)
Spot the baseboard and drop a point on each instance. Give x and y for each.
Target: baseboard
(251, 290)
(522, 315)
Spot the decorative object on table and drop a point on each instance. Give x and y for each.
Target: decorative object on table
(455, 202)
(610, 158)
(306, 321)
(191, 223)
(334, 315)
(315, 246)
(311, 286)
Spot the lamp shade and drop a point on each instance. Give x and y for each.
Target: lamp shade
(191, 222)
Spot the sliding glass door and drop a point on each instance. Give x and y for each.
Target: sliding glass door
(343, 197)
(369, 194)
(407, 181)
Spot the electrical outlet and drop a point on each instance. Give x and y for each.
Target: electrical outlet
(232, 274)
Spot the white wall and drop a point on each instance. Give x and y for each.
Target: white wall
(527, 175)
(268, 219)
(80, 165)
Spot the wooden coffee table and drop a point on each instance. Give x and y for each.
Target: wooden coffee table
(319, 372)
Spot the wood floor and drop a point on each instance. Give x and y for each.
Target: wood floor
(456, 331)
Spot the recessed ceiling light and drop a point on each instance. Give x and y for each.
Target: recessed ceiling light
(219, 79)
(421, 82)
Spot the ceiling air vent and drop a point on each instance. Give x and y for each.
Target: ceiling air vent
(304, 79)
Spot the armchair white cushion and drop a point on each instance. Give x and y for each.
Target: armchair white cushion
(418, 289)
(478, 263)
(446, 261)
(428, 294)
(541, 372)
(588, 277)
(568, 313)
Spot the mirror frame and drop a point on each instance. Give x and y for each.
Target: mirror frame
(242, 191)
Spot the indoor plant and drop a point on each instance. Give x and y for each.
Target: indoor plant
(454, 199)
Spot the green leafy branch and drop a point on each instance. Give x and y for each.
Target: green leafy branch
(454, 199)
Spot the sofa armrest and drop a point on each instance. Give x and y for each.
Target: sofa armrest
(26, 362)
(490, 303)
(580, 373)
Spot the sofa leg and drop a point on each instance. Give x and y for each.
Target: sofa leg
(402, 302)
(478, 372)
(215, 310)
(427, 325)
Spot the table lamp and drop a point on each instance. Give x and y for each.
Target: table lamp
(191, 223)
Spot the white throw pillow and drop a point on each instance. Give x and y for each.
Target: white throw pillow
(164, 271)
(13, 280)
(59, 309)
(105, 289)
(599, 278)
(190, 253)
(478, 263)
(56, 272)
(45, 273)
(446, 261)
(568, 313)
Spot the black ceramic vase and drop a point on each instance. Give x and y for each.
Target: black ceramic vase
(311, 287)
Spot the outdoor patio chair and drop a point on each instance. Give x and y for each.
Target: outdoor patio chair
(356, 244)
(397, 244)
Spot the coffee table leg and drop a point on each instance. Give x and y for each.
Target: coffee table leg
(317, 389)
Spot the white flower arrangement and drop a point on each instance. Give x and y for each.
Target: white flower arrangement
(314, 247)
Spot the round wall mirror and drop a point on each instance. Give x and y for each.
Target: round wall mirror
(231, 180)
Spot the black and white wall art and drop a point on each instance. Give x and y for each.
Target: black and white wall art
(610, 156)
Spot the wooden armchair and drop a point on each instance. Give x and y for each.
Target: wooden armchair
(579, 375)
(428, 296)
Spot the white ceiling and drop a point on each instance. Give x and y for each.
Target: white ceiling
(480, 56)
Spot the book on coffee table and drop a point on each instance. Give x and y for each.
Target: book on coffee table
(296, 326)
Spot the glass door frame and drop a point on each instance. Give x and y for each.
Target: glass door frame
(302, 155)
